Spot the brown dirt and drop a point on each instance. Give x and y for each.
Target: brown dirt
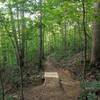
(62, 88)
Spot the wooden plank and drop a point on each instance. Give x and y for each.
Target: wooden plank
(51, 75)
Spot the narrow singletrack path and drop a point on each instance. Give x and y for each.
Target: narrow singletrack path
(58, 85)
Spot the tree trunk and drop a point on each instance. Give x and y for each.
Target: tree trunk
(95, 58)
(40, 37)
(65, 36)
(2, 86)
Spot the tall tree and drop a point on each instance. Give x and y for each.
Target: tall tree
(40, 36)
(2, 84)
(2, 63)
(95, 59)
(85, 36)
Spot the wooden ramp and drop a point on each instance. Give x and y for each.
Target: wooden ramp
(58, 85)
(51, 79)
(51, 75)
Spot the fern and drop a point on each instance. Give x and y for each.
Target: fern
(95, 85)
(90, 89)
(91, 96)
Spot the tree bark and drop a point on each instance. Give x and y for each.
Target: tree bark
(95, 58)
(40, 37)
(2, 85)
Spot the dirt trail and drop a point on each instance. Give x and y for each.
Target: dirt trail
(62, 88)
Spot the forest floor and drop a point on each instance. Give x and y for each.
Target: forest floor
(63, 87)
(62, 82)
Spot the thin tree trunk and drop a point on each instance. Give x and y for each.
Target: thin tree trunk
(65, 36)
(1, 81)
(22, 51)
(85, 36)
(14, 34)
(40, 37)
(43, 55)
(21, 75)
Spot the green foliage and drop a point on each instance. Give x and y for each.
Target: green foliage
(91, 96)
(95, 85)
(9, 98)
(62, 30)
(55, 13)
(88, 96)
(90, 89)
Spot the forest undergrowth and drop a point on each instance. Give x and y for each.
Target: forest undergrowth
(70, 72)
